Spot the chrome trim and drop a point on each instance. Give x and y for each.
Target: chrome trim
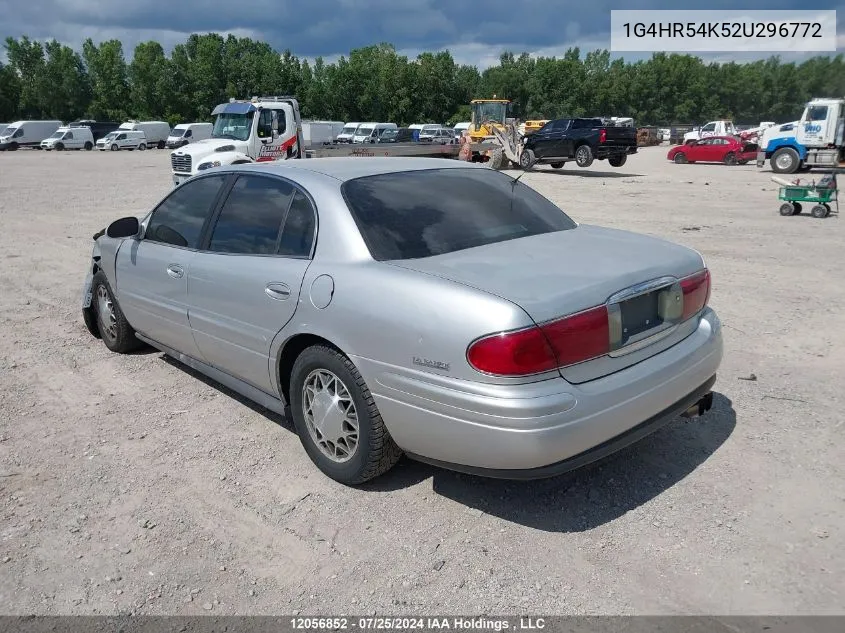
(641, 289)
(619, 345)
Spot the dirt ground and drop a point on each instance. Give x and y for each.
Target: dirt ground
(130, 485)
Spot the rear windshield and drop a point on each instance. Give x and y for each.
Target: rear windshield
(414, 214)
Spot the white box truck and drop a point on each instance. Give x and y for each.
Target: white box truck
(185, 133)
(27, 134)
(156, 132)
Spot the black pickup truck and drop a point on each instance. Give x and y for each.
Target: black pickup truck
(581, 140)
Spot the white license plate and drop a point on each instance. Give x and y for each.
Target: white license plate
(87, 292)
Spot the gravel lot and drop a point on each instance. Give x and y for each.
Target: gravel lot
(129, 484)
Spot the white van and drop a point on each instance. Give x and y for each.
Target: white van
(369, 132)
(185, 133)
(156, 132)
(69, 138)
(27, 134)
(461, 127)
(123, 139)
(347, 133)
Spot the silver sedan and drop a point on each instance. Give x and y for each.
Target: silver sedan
(482, 330)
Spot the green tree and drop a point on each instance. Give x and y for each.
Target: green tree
(148, 77)
(63, 85)
(109, 79)
(10, 93)
(26, 59)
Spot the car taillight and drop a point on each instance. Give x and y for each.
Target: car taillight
(696, 289)
(602, 136)
(519, 353)
(554, 344)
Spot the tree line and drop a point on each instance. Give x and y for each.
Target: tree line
(375, 83)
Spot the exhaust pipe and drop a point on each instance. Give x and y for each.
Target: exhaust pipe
(701, 407)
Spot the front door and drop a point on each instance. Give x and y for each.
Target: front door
(152, 273)
(244, 284)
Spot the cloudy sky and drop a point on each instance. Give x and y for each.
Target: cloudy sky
(475, 31)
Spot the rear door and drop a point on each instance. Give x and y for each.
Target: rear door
(244, 284)
(152, 273)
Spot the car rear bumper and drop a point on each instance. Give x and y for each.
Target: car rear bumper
(542, 428)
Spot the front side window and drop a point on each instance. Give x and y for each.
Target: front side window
(413, 214)
(817, 113)
(69, 136)
(18, 133)
(252, 216)
(188, 134)
(710, 127)
(179, 219)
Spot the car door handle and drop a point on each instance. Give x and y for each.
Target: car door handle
(175, 271)
(277, 291)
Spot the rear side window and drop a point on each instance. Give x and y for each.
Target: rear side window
(414, 214)
(251, 217)
(179, 219)
(300, 227)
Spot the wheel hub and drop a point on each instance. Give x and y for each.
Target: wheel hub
(105, 312)
(330, 415)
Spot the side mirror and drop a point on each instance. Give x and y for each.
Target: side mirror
(124, 227)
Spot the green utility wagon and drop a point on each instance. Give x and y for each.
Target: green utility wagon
(821, 194)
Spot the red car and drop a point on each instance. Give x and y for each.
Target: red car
(714, 149)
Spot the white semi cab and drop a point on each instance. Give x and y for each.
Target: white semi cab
(816, 140)
(185, 133)
(69, 138)
(261, 129)
(27, 134)
(713, 128)
(123, 139)
(156, 132)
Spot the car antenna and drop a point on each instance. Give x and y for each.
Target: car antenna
(516, 180)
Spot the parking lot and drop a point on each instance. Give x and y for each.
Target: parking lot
(130, 484)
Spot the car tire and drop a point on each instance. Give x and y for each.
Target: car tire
(88, 146)
(327, 372)
(729, 159)
(680, 158)
(785, 161)
(89, 318)
(618, 161)
(497, 159)
(798, 208)
(112, 325)
(59, 147)
(527, 159)
(583, 156)
(114, 147)
(161, 144)
(819, 211)
(556, 165)
(13, 147)
(142, 147)
(787, 209)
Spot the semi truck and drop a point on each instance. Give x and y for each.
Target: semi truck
(270, 128)
(816, 140)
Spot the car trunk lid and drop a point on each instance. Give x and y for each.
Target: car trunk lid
(566, 272)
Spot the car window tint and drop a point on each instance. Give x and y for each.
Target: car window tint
(250, 219)
(179, 219)
(415, 214)
(300, 225)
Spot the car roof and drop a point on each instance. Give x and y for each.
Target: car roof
(348, 168)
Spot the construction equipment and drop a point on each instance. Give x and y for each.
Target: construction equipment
(647, 136)
(487, 114)
(529, 127)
